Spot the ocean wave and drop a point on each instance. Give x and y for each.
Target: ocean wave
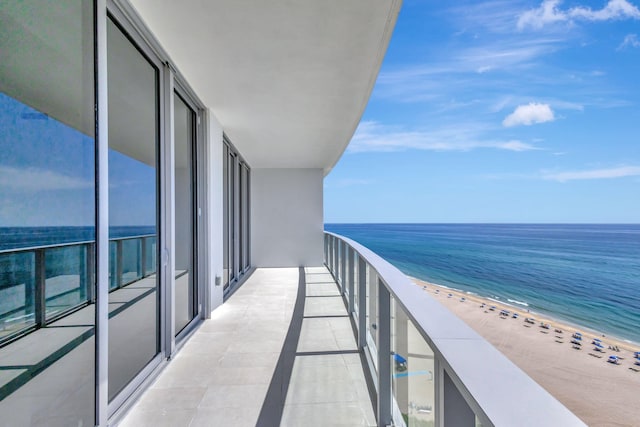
(518, 302)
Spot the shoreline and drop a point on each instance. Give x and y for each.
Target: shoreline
(579, 376)
(629, 344)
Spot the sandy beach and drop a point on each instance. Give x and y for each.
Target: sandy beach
(599, 392)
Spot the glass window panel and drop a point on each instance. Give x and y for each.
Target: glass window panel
(184, 285)
(47, 198)
(133, 206)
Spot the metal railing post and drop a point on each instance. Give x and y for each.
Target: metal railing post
(350, 278)
(40, 283)
(362, 303)
(384, 356)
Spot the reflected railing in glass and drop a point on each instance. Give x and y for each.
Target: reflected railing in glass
(41, 284)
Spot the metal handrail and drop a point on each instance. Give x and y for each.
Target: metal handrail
(496, 390)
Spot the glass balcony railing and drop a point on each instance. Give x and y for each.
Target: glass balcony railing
(430, 368)
(41, 284)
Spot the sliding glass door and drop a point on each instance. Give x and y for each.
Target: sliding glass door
(185, 242)
(47, 213)
(236, 209)
(134, 208)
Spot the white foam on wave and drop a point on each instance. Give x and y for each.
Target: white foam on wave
(518, 302)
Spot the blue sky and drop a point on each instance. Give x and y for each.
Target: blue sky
(499, 111)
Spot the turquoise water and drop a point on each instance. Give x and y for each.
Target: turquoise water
(588, 275)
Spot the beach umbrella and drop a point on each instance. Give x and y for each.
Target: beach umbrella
(599, 345)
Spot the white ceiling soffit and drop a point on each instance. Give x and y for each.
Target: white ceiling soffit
(288, 80)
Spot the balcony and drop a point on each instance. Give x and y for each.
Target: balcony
(352, 343)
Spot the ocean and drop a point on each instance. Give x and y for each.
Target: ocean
(583, 274)
(28, 237)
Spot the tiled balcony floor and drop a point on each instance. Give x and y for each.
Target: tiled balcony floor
(273, 354)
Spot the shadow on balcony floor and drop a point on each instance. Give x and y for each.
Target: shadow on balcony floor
(281, 351)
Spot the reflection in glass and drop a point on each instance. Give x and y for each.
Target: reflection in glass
(412, 368)
(133, 208)
(17, 292)
(131, 259)
(47, 199)
(66, 277)
(184, 290)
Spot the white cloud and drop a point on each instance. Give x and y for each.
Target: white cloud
(546, 13)
(529, 114)
(614, 9)
(630, 40)
(618, 172)
(33, 179)
(372, 136)
(549, 12)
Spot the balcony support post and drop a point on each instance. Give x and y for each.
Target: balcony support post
(456, 411)
(384, 356)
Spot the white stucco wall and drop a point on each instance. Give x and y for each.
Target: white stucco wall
(215, 219)
(286, 217)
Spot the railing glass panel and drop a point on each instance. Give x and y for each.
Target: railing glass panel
(131, 260)
(412, 362)
(355, 283)
(17, 292)
(150, 255)
(113, 265)
(372, 315)
(66, 278)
